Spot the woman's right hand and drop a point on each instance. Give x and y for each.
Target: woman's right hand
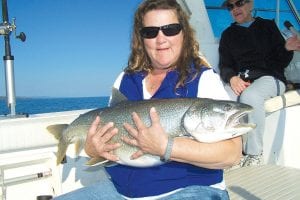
(238, 85)
(96, 144)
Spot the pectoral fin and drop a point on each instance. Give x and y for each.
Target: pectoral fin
(96, 161)
(78, 146)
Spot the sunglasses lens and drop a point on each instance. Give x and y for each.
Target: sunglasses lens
(149, 32)
(171, 29)
(229, 6)
(168, 30)
(239, 4)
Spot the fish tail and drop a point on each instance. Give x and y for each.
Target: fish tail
(57, 131)
(61, 152)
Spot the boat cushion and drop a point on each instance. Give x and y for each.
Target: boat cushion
(289, 98)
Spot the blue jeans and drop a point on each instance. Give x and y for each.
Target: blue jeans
(106, 190)
(199, 193)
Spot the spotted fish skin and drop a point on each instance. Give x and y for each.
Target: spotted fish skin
(206, 120)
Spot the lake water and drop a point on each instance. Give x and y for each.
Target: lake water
(26, 105)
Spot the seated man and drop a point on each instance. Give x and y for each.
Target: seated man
(253, 56)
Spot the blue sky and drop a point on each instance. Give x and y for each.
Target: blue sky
(73, 47)
(76, 48)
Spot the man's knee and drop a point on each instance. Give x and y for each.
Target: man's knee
(251, 98)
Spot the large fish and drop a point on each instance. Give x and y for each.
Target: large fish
(205, 120)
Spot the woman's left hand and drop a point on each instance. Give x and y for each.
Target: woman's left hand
(152, 139)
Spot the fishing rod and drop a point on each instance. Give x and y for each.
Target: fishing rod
(291, 28)
(5, 29)
(294, 10)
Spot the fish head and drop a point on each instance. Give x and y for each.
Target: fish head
(210, 120)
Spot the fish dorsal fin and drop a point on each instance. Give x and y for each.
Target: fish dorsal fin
(57, 130)
(116, 97)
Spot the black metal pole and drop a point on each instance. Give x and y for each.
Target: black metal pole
(6, 21)
(4, 11)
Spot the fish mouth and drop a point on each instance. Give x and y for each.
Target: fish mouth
(238, 120)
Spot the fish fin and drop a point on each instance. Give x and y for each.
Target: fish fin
(78, 146)
(61, 152)
(57, 130)
(116, 97)
(96, 161)
(184, 135)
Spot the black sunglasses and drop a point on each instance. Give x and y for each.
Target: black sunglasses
(239, 3)
(150, 32)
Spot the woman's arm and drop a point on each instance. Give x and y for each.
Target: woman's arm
(217, 155)
(211, 86)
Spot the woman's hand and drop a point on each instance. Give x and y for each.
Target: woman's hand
(98, 136)
(238, 85)
(152, 139)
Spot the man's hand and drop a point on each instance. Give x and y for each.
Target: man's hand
(238, 85)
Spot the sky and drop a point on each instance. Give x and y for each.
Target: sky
(74, 48)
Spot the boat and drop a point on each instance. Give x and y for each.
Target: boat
(28, 167)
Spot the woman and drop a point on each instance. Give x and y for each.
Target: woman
(164, 63)
(253, 55)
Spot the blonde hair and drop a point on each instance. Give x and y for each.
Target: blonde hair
(139, 60)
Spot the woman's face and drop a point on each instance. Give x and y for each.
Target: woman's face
(163, 50)
(242, 14)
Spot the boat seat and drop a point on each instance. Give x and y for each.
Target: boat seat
(265, 182)
(289, 98)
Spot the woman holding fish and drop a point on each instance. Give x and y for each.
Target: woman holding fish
(164, 63)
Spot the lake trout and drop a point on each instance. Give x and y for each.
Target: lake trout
(205, 120)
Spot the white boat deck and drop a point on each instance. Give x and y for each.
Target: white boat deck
(266, 182)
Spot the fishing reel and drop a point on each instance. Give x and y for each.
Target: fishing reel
(6, 28)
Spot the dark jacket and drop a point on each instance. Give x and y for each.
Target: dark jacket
(259, 48)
